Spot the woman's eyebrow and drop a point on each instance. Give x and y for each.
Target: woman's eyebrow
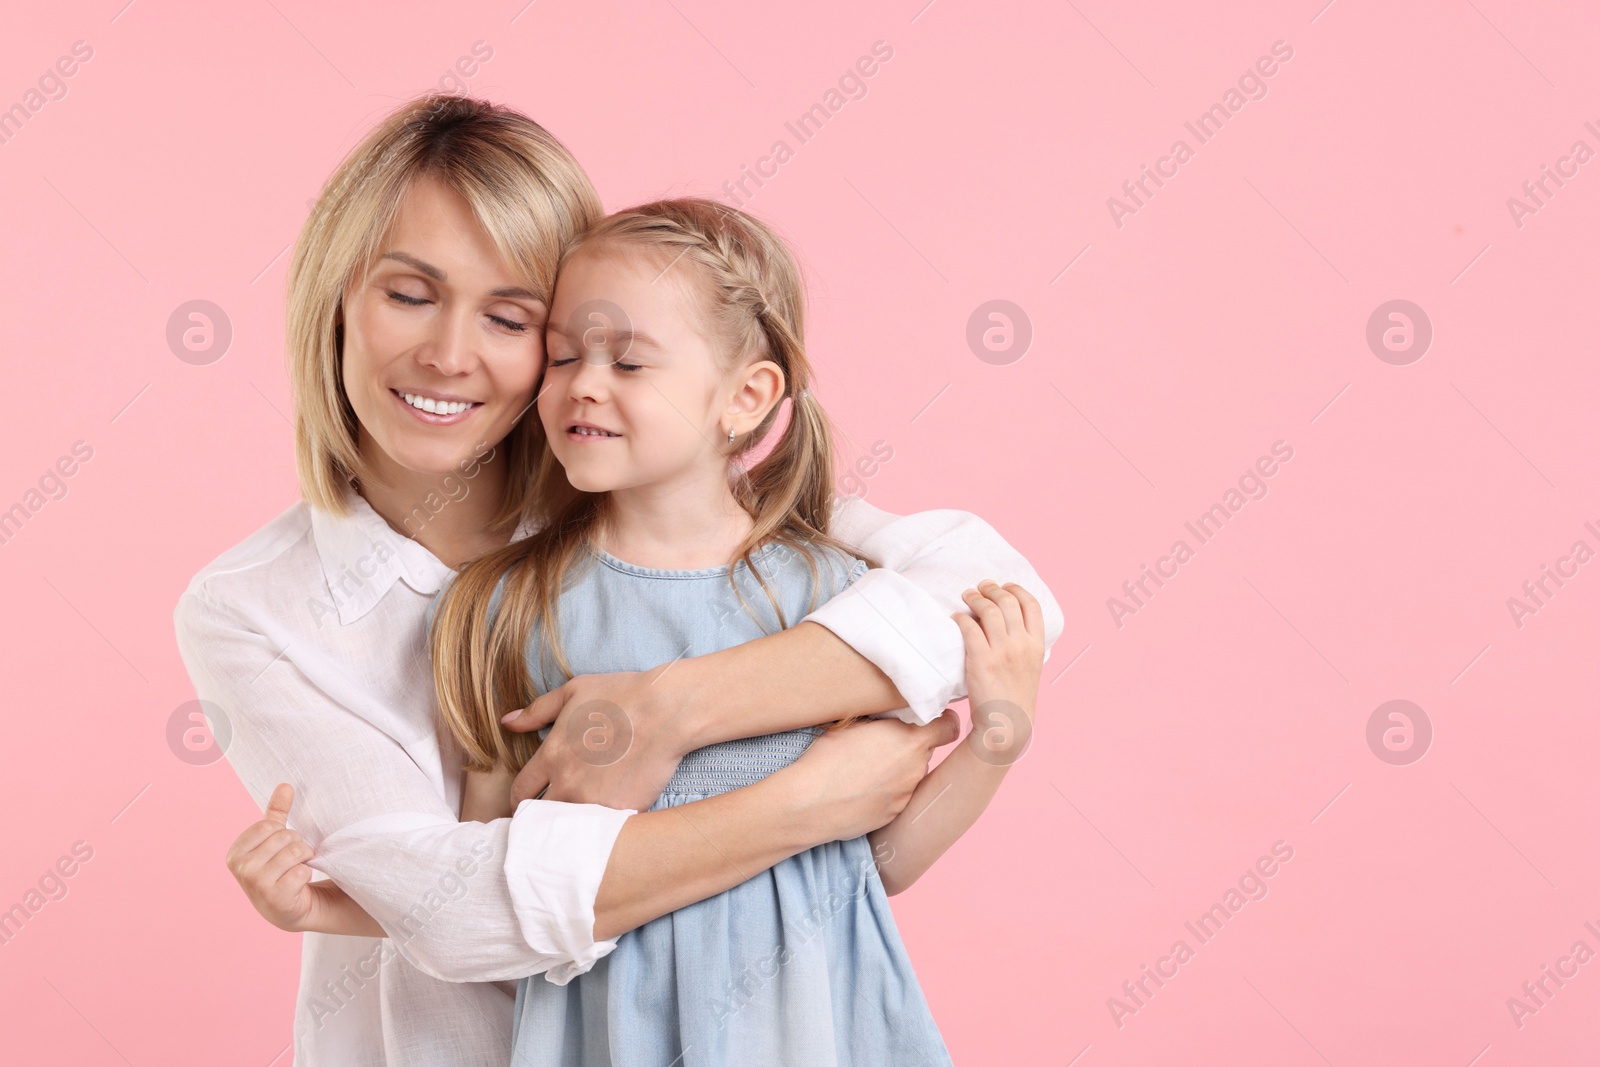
(412, 261)
(439, 276)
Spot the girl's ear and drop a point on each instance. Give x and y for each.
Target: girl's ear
(759, 388)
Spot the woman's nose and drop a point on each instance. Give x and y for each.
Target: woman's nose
(452, 348)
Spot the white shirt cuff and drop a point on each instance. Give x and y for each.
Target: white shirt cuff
(889, 620)
(556, 855)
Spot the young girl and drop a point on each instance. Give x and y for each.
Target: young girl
(675, 334)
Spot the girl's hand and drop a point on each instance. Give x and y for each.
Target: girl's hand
(1005, 656)
(269, 862)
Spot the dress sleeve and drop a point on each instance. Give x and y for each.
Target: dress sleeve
(898, 615)
(463, 902)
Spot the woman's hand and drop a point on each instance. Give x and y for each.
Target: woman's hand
(269, 862)
(616, 739)
(861, 776)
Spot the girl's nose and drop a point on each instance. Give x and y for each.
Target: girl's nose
(589, 376)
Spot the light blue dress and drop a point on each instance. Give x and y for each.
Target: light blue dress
(801, 965)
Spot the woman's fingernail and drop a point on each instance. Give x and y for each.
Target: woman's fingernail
(508, 716)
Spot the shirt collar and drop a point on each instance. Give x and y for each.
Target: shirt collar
(362, 557)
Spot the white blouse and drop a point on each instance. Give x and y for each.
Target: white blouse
(310, 638)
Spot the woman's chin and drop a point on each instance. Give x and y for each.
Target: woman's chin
(435, 460)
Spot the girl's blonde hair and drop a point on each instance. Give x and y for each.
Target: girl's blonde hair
(528, 193)
(751, 299)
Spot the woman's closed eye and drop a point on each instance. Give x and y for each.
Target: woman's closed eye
(416, 301)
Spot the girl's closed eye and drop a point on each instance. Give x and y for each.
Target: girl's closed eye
(618, 364)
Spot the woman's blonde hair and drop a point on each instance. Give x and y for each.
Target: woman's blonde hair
(527, 191)
(751, 298)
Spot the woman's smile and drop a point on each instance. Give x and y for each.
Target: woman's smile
(434, 409)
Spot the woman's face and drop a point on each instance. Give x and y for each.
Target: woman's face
(442, 345)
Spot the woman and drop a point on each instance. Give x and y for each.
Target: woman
(416, 297)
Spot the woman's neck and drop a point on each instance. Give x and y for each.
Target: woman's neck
(448, 514)
(687, 526)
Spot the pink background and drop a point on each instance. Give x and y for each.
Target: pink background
(1228, 313)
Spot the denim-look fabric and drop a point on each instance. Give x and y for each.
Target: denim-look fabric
(801, 965)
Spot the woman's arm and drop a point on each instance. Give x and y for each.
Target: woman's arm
(469, 901)
(891, 644)
(899, 615)
(886, 643)
(849, 781)
(793, 678)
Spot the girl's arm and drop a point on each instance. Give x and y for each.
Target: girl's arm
(486, 796)
(1005, 652)
(886, 644)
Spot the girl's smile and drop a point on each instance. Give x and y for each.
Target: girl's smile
(588, 431)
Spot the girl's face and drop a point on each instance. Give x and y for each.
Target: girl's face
(633, 394)
(442, 345)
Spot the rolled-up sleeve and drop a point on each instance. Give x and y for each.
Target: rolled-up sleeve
(898, 615)
(463, 902)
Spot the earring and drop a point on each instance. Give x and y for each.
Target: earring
(730, 435)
